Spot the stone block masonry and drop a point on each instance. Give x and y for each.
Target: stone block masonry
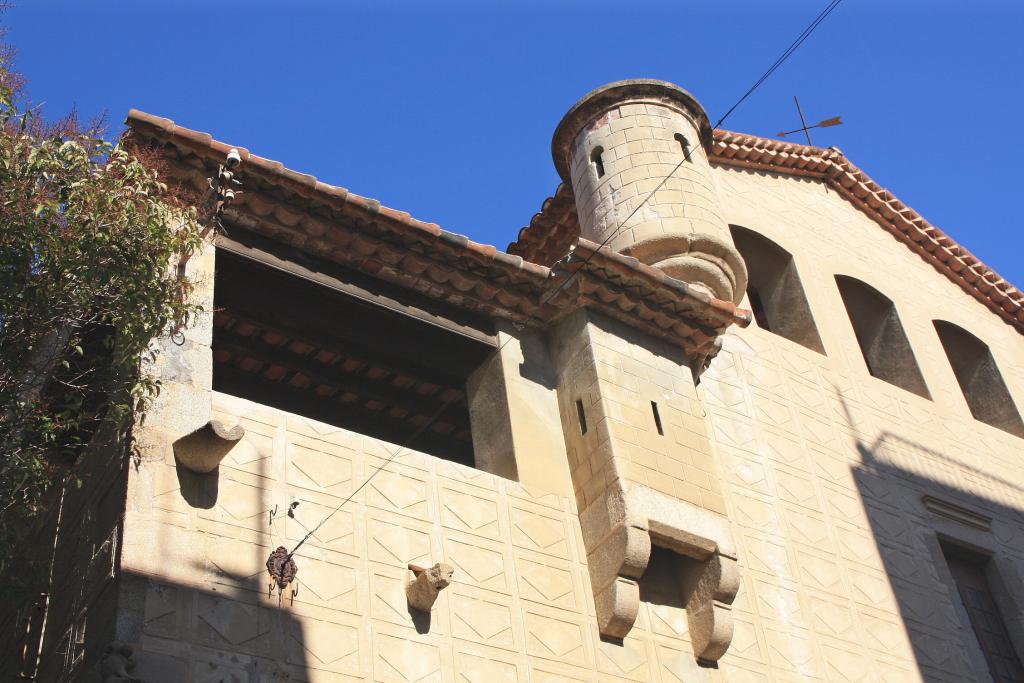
(627, 140)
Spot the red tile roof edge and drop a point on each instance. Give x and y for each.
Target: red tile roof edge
(654, 283)
(552, 230)
(307, 185)
(724, 312)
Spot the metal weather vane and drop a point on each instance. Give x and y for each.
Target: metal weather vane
(805, 129)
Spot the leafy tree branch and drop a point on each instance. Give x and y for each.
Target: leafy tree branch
(89, 237)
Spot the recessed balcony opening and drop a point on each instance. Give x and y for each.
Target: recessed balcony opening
(980, 380)
(883, 343)
(774, 290)
(318, 340)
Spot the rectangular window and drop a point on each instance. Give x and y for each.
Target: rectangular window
(968, 570)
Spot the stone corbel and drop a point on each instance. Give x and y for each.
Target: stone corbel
(202, 450)
(616, 564)
(713, 587)
(618, 556)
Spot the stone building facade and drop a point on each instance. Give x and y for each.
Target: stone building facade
(761, 427)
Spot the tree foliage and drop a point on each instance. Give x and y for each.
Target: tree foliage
(89, 235)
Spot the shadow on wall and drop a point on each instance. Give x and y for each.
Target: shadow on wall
(95, 622)
(211, 613)
(925, 509)
(231, 632)
(199, 490)
(103, 625)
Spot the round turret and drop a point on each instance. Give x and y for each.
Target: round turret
(619, 143)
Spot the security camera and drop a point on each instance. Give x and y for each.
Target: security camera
(234, 158)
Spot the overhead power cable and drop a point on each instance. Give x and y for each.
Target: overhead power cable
(797, 42)
(767, 74)
(804, 35)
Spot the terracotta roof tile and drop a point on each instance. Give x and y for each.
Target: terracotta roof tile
(334, 223)
(553, 230)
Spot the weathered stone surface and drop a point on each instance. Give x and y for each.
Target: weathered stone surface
(622, 142)
(423, 585)
(202, 450)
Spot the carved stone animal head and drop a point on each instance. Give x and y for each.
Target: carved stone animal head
(440, 575)
(425, 584)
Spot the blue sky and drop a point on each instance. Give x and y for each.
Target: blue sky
(446, 109)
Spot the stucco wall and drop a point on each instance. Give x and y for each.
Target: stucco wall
(824, 466)
(520, 607)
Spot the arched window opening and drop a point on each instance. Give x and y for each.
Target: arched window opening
(684, 145)
(979, 378)
(598, 161)
(880, 334)
(774, 290)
